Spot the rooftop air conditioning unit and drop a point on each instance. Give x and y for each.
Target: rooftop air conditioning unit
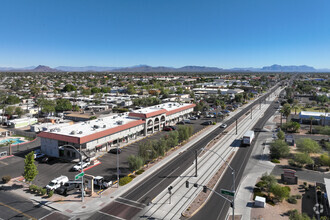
(80, 132)
(52, 130)
(96, 126)
(73, 132)
(120, 122)
(58, 129)
(104, 126)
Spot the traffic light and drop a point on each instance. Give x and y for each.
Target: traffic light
(187, 184)
(170, 188)
(231, 205)
(204, 189)
(195, 185)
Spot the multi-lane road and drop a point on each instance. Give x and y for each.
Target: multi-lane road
(132, 202)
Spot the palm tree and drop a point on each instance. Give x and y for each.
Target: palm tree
(311, 119)
(295, 107)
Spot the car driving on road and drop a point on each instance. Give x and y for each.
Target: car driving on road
(79, 165)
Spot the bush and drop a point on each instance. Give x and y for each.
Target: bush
(275, 161)
(6, 179)
(292, 200)
(132, 176)
(50, 193)
(288, 188)
(279, 149)
(139, 172)
(135, 162)
(123, 181)
(32, 188)
(298, 196)
(291, 162)
(43, 191)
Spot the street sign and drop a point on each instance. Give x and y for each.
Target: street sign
(78, 176)
(227, 192)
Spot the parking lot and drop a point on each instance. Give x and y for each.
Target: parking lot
(108, 166)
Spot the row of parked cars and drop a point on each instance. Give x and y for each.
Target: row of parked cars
(62, 185)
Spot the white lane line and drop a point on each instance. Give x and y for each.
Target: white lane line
(158, 183)
(139, 203)
(127, 204)
(111, 215)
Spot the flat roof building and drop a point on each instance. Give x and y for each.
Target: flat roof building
(320, 117)
(103, 133)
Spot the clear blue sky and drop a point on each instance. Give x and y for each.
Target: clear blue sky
(222, 33)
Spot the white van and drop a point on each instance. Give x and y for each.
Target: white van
(57, 182)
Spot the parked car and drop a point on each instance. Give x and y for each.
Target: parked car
(187, 121)
(223, 126)
(115, 150)
(180, 123)
(39, 155)
(167, 128)
(102, 182)
(207, 123)
(173, 127)
(65, 188)
(79, 165)
(193, 118)
(57, 182)
(48, 159)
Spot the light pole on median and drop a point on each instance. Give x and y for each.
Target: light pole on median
(81, 168)
(232, 172)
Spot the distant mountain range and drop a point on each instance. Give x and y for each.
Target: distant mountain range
(146, 68)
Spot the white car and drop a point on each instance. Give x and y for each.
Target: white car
(78, 166)
(223, 126)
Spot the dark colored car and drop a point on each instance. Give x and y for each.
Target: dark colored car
(48, 160)
(207, 123)
(167, 128)
(115, 151)
(64, 189)
(180, 123)
(173, 127)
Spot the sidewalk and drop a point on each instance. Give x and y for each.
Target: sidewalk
(254, 170)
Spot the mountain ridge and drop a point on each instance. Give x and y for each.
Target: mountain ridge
(147, 68)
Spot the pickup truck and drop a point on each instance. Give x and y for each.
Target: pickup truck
(64, 189)
(102, 182)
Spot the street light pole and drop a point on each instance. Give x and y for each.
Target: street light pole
(236, 126)
(117, 164)
(233, 173)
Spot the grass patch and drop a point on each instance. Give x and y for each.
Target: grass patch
(275, 161)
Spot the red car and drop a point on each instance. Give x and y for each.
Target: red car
(167, 129)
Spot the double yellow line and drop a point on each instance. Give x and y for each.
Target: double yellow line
(18, 211)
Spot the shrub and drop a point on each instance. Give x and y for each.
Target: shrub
(291, 162)
(123, 181)
(292, 200)
(260, 184)
(288, 188)
(50, 193)
(275, 161)
(279, 149)
(298, 196)
(43, 191)
(32, 188)
(6, 179)
(305, 183)
(135, 162)
(132, 176)
(214, 123)
(139, 172)
(38, 189)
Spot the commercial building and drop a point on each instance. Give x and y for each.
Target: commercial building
(320, 117)
(103, 133)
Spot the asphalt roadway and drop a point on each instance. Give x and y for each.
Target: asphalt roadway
(127, 206)
(217, 207)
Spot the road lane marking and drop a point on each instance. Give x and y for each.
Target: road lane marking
(18, 211)
(111, 215)
(131, 201)
(4, 163)
(158, 183)
(128, 204)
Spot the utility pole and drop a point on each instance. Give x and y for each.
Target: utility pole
(236, 126)
(82, 178)
(251, 112)
(195, 163)
(260, 104)
(170, 192)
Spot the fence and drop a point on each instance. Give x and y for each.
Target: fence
(22, 147)
(25, 133)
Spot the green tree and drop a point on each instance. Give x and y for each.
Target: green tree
(95, 90)
(47, 106)
(303, 158)
(19, 111)
(281, 135)
(268, 181)
(279, 149)
(280, 192)
(308, 145)
(12, 99)
(30, 169)
(130, 89)
(135, 162)
(295, 215)
(63, 105)
(69, 88)
(10, 110)
(286, 110)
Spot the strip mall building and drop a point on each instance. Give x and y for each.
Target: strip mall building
(103, 133)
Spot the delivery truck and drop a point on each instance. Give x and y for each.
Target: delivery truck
(248, 138)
